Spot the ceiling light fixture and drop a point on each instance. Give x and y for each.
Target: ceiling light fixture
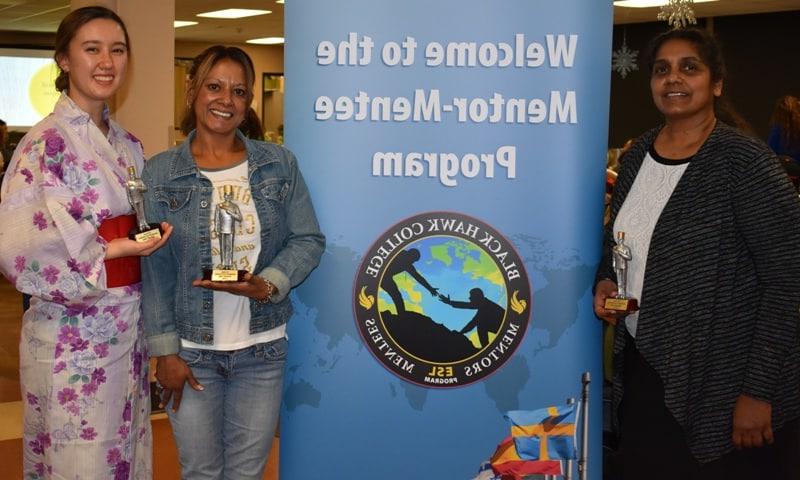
(266, 41)
(648, 3)
(234, 13)
(183, 23)
(279, 1)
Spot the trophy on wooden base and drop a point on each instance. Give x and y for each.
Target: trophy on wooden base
(135, 189)
(226, 214)
(621, 255)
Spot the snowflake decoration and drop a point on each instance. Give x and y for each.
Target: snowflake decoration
(678, 13)
(624, 60)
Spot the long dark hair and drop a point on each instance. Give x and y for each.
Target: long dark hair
(69, 27)
(203, 64)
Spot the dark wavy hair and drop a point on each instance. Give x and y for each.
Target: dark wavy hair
(251, 126)
(201, 66)
(69, 27)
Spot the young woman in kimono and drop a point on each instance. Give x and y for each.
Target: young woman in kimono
(65, 218)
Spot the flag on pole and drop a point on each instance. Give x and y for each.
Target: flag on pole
(486, 473)
(544, 434)
(507, 464)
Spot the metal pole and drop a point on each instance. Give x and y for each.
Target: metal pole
(583, 462)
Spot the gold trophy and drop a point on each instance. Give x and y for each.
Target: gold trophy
(226, 214)
(621, 255)
(135, 189)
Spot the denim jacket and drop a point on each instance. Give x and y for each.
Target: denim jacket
(291, 242)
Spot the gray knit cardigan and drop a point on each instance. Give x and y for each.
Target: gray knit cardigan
(719, 305)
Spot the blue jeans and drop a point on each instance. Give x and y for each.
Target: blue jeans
(225, 431)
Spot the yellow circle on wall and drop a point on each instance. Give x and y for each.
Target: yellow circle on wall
(42, 89)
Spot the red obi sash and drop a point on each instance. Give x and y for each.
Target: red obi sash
(121, 271)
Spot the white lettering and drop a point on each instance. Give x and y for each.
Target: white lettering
(448, 167)
(426, 106)
(560, 112)
(559, 51)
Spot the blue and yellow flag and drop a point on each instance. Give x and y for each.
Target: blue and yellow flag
(544, 434)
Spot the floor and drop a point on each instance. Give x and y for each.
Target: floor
(165, 460)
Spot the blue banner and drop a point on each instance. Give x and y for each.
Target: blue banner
(455, 153)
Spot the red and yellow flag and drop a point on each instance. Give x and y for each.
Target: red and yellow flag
(507, 463)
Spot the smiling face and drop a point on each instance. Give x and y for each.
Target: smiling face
(681, 82)
(222, 99)
(96, 62)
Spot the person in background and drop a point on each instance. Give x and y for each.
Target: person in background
(614, 156)
(708, 370)
(784, 133)
(251, 127)
(221, 346)
(65, 217)
(5, 151)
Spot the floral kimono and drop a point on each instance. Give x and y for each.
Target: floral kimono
(83, 361)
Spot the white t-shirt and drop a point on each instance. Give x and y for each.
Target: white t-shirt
(232, 312)
(638, 215)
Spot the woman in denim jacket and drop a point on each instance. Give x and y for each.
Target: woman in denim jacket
(226, 340)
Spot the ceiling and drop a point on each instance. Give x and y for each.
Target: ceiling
(720, 8)
(44, 16)
(217, 30)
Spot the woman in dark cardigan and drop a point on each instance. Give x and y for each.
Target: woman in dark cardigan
(708, 370)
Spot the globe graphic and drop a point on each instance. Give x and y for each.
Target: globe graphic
(453, 266)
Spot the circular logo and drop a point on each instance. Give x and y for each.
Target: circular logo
(442, 299)
(42, 91)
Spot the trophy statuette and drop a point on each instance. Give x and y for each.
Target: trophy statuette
(621, 255)
(135, 188)
(226, 215)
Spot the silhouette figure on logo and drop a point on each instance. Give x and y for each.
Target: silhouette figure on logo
(488, 318)
(403, 262)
